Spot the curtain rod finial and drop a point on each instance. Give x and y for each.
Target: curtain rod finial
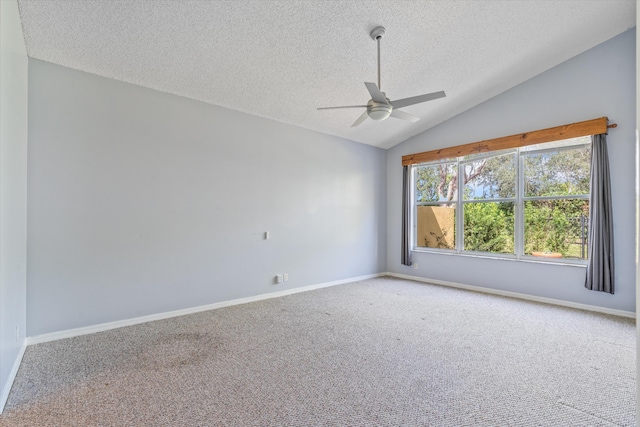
(611, 126)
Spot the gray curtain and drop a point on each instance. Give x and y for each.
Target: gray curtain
(600, 250)
(405, 257)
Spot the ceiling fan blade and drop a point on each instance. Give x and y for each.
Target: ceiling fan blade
(360, 119)
(399, 103)
(376, 95)
(404, 116)
(346, 106)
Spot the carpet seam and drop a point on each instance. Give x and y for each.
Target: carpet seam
(566, 405)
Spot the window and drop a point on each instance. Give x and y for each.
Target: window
(436, 203)
(530, 201)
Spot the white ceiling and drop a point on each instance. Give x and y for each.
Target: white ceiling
(283, 59)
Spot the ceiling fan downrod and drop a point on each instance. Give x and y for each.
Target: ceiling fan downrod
(377, 33)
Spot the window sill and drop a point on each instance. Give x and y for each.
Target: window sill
(526, 258)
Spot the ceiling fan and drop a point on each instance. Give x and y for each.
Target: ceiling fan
(379, 106)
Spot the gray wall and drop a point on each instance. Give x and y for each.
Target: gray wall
(142, 202)
(599, 82)
(13, 190)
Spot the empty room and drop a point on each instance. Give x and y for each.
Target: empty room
(318, 213)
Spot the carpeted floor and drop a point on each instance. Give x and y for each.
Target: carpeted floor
(381, 352)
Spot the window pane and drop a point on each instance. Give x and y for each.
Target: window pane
(488, 227)
(556, 228)
(436, 227)
(557, 144)
(557, 173)
(483, 154)
(436, 183)
(491, 178)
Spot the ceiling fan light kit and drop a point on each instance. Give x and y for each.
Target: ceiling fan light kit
(378, 111)
(379, 107)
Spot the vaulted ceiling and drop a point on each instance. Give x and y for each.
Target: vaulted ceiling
(283, 59)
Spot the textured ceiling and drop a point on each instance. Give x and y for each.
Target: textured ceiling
(283, 59)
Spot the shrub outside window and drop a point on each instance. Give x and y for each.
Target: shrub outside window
(524, 202)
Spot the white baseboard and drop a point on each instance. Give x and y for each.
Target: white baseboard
(570, 304)
(166, 315)
(69, 333)
(12, 376)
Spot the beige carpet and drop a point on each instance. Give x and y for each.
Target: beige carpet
(382, 352)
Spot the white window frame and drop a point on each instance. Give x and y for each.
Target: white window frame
(519, 201)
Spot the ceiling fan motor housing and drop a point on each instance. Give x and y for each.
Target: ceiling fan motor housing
(378, 110)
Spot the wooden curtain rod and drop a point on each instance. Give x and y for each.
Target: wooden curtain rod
(573, 130)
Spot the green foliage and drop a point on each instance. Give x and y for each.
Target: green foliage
(434, 181)
(427, 181)
(557, 173)
(488, 227)
(555, 226)
(498, 179)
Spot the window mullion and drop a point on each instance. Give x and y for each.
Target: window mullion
(519, 214)
(459, 209)
(560, 197)
(414, 209)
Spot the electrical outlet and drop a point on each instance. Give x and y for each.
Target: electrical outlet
(415, 265)
(279, 278)
(285, 277)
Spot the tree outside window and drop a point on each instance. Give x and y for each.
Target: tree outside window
(529, 201)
